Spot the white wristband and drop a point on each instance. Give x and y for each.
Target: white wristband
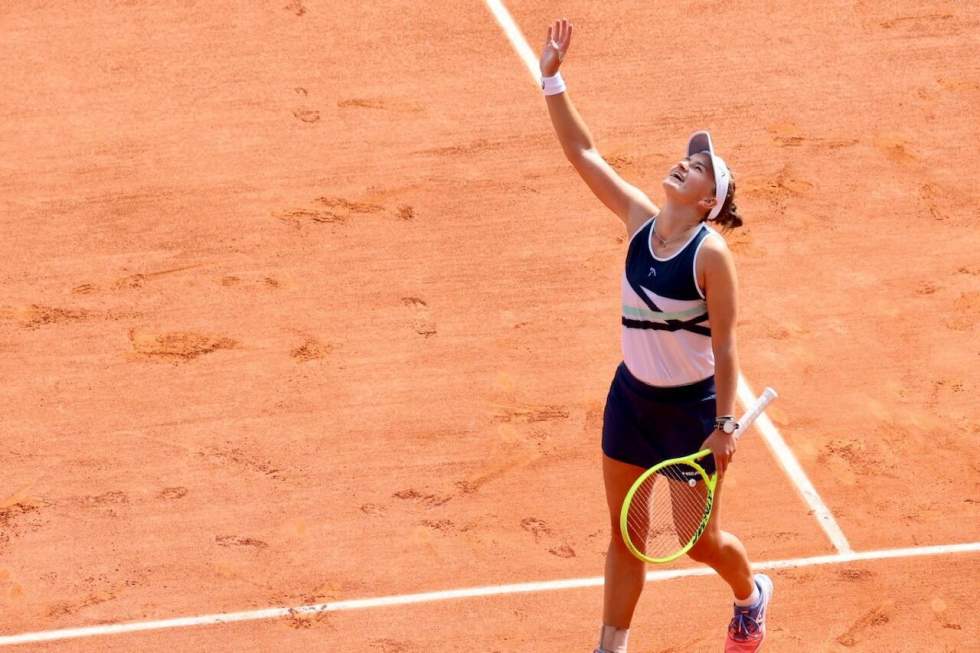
(553, 85)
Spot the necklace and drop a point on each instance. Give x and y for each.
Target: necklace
(663, 242)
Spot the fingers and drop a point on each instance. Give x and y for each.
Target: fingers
(726, 460)
(560, 34)
(723, 457)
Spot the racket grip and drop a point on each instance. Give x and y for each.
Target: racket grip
(767, 397)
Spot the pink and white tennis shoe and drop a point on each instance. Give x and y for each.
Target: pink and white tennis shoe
(748, 627)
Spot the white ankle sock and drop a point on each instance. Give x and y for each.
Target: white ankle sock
(612, 639)
(750, 601)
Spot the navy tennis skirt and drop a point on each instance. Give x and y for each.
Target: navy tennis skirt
(644, 424)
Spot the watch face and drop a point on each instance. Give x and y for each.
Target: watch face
(729, 427)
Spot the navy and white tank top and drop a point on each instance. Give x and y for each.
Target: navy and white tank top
(666, 332)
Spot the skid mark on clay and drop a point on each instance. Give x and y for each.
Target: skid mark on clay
(311, 349)
(479, 145)
(97, 589)
(232, 281)
(307, 115)
(924, 25)
(177, 346)
(296, 7)
(779, 190)
(298, 620)
(298, 217)
(850, 459)
(531, 414)
(427, 500)
(926, 288)
(895, 148)
(536, 527)
(106, 504)
(388, 646)
(67, 608)
(939, 609)
(855, 575)
(237, 540)
(112, 497)
(858, 630)
(338, 211)
(621, 162)
(440, 525)
(35, 316)
(18, 517)
(788, 134)
(422, 322)
(934, 199)
(540, 529)
(173, 493)
(384, 104)
(966, 312)
(959, 84)
(942, 390)
(473, 485)
(345, 207)
(375, 509)
(562, 551)
(235, 457)
(140, 278)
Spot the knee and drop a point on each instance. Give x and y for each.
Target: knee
(616, 541)
(706, 548)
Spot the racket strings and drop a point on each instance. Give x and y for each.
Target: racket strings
(666, 511)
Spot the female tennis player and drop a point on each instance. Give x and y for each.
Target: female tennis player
(674, 392)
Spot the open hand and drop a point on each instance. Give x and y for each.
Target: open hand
(555, 47)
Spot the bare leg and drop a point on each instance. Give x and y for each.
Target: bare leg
(625, 574)
(724, 552)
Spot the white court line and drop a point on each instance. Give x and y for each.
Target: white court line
(772, 437)
(473, 592)
(516, 37)
(793, 469)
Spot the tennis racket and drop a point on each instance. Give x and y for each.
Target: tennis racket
(669, 505)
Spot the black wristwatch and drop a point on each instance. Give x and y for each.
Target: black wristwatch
(726, 423)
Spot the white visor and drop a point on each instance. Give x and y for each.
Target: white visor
(701, 142)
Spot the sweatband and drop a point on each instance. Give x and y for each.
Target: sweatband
(553, 85)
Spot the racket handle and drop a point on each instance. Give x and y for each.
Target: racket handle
(767, 397)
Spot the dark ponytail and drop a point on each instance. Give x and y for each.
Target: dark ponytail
(729, 218)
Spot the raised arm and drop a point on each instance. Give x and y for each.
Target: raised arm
(628, 202)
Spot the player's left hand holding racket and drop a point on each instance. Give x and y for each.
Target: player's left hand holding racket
(669, 505)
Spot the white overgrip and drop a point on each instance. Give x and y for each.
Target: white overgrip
(767, 397)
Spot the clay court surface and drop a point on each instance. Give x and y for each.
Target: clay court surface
(302, 304)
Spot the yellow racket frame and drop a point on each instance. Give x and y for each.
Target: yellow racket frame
(767, 397)
(710, 483)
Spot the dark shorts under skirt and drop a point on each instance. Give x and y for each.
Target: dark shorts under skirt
(643, 424)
